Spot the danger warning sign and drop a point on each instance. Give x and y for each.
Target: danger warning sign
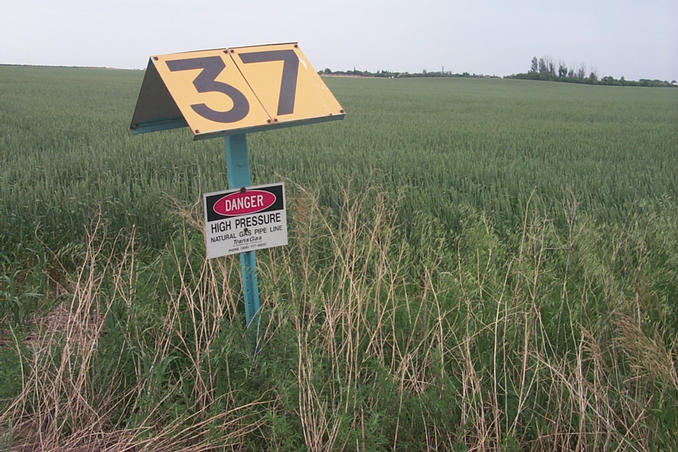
(246, 219)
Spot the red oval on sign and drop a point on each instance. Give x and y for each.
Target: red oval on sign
(243, 203)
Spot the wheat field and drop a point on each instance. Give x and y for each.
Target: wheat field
(473, 264)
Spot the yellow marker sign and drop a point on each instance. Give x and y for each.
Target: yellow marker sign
(223, 91)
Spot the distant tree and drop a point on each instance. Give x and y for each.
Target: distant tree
(562, 70)
(581, 72)
(570, 73)
(593, 77)
(534, 67)
(543, 69)
(551, 67)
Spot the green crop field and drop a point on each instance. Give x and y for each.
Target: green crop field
(472, 264)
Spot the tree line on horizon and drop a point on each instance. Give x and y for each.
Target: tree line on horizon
(391, 74)
(545, 69)
(540, 69)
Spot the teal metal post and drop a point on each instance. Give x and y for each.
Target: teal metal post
(238, 173)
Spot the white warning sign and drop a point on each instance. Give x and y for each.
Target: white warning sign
(245, 219)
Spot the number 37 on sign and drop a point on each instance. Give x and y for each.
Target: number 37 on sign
(242, 89)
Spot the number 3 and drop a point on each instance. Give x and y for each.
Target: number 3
(206, 82)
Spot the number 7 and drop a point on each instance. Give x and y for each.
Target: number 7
(288, 82)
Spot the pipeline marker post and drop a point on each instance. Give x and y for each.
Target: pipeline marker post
(230, 92)
(238, 174)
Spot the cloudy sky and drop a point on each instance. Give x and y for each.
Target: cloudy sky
(630, 38)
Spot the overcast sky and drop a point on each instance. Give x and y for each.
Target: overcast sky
(630, 38)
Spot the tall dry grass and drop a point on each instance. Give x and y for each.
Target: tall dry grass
(72, 400)
(371, 339)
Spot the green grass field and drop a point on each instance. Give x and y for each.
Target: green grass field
(473, 263)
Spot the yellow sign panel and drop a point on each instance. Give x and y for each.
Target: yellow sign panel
(238, 89)
(285, 82)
